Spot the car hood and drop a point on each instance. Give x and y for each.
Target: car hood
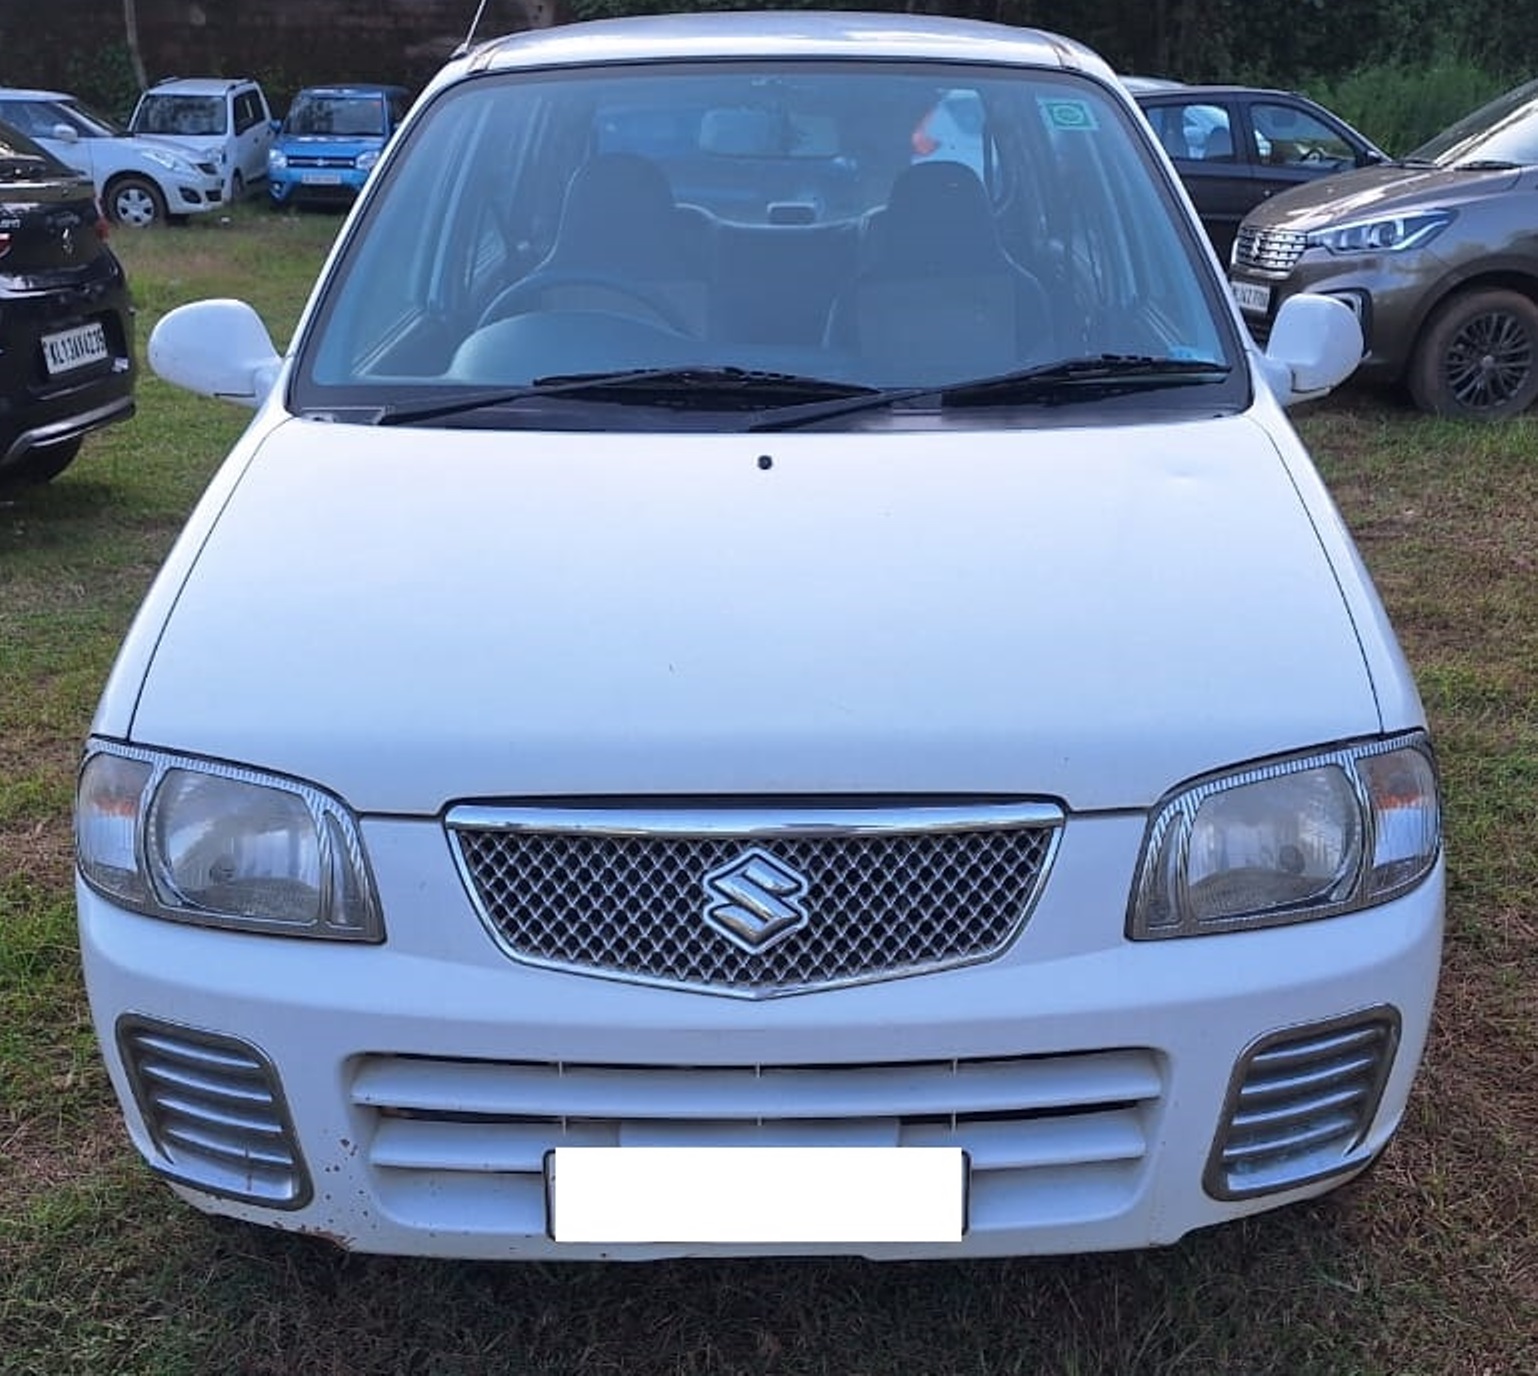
(1387, 190)
(412, 617)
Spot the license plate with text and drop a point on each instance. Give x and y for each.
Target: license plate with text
(1254, 298)
(77, 348)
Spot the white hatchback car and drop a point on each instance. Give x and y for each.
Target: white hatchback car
(141, 181)
(751, 690)
(223, 120)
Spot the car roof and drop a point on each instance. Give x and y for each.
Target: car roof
(198, 85)
(769, 34)
(1187, 91)
(353, 88)
(32, 93)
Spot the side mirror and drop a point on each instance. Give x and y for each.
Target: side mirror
(216, 348)
(1315, 345)
(65, 133)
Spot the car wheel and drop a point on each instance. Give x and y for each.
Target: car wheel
(44, 465)
(136, 201)
(237, 189)
(1478, 357)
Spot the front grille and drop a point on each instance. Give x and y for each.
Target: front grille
(1301, 1104)
(213, 1107)
(1268, 250)
(318, 160)
(463, 1143)
(831, 896)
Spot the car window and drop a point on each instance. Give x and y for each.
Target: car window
(248, 111)
(759, 216)
(1197, 131)
(1295, 138)
(354, 116)
(16, 147)
(1505, 130)
(180, 114)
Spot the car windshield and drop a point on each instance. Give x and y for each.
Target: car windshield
(349, 116)
(180, 114)
(1504, 131)
(86, 121)
(719, 236)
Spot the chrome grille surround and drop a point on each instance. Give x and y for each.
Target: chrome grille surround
(1268, 250)
(627, 893)
(1301, 1103)
(463, 1143)
(214, 1108)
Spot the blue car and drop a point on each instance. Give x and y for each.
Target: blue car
(330, 140)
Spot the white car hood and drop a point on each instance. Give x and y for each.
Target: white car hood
(410, 617)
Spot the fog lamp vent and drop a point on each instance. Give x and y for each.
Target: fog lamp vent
(1301, 1103)
(214, 1109)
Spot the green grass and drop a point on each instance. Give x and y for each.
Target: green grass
(1429, 1265)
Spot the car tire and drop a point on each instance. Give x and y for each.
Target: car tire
(44, 465)
(237, 189)
(1477, 358)
(136, 202)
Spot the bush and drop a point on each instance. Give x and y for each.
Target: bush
(1399, 106)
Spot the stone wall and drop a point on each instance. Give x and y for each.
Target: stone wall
(82, 45)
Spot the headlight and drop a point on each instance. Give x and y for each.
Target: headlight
(1290, 841)
(170, 161)
(366, 160)
(221, 846)
(1388, 234)
(277, 159)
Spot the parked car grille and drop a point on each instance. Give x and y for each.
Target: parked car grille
(1268, 250)
(1301, 1103)
(463, 1143)
(318, 160)
(755, 903)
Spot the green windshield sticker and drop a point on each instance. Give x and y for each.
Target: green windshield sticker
(1066, 114)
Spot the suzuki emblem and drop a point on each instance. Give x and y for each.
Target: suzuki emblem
(752, 900)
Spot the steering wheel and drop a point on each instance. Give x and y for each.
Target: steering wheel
(524, 295)
(1313, 154)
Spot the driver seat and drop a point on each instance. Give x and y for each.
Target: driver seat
(619, 221)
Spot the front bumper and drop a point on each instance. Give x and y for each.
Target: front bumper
(415, 1087)
(1388, 293)
(328, 186)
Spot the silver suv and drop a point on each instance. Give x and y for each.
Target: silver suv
(1437, 254)
(220, 119)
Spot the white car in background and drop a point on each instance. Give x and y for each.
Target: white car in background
(222, 120)
(140, 181)
(679, 732)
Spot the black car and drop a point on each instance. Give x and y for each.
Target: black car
(66, 334)
(1235, 146)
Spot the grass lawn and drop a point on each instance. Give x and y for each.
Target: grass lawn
(1428, 1265)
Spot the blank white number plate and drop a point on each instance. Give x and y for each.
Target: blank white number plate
(756, 1194)
(74, 348)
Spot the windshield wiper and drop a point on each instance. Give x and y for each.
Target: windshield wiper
(1488, 165)
(1091, 377)
(699, 387)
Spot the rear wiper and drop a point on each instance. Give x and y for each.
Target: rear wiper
(700, 386)
(1093, 376)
